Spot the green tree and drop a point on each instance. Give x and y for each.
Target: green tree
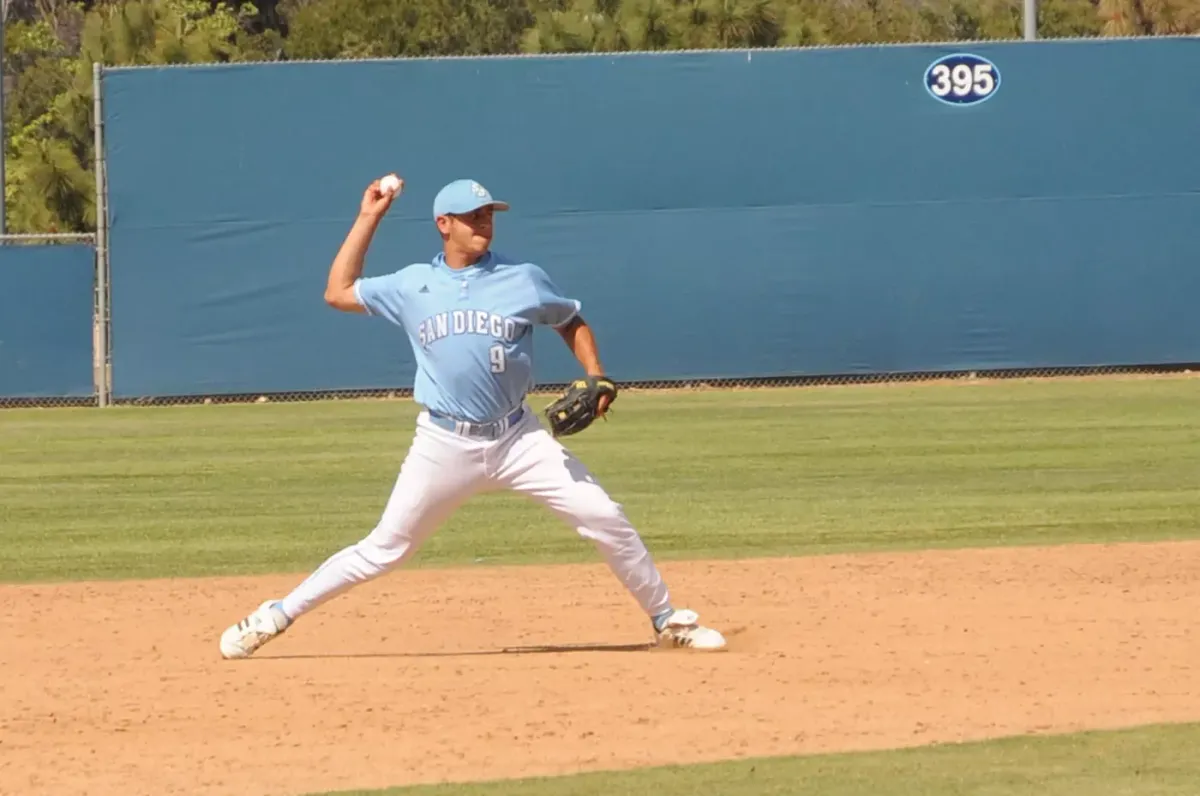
(325, 29)
(1068, 18)
(48, 189)
(50, 185)
(45, 185)
(600, 26)
(1150, 17)
(612, 26)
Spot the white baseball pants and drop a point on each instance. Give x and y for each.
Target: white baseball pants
(443, 469)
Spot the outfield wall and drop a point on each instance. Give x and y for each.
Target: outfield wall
(46, 299)
(721, 215)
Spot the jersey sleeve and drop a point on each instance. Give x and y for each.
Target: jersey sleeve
(382, 296)
(552, 307)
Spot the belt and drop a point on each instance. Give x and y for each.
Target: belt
(489, 430)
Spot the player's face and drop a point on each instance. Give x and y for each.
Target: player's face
(470, 233)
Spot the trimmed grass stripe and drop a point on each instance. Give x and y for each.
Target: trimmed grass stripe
(246, 489)
(1147, 761)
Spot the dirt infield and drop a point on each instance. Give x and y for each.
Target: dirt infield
(427, 676)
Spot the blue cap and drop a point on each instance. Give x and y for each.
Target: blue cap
(463, 196)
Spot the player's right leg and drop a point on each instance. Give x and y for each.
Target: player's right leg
(537, 465)
(439, 473)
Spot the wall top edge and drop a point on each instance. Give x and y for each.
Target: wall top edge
(959, 43)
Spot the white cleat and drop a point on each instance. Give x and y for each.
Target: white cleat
(683, 629)
(242, 639)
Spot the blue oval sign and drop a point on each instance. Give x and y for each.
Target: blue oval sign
(962, 79)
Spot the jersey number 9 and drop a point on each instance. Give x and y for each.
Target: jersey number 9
(498, 357)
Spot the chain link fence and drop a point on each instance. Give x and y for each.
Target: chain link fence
(688, 385)
(550, 389)
(547, 389)
(46, 402)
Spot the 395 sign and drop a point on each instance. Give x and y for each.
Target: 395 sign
(962, 79)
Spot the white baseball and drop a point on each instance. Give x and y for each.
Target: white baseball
(389, 184)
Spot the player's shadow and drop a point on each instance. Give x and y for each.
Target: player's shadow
(537, 649)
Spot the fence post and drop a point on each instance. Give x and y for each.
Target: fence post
(102, 342)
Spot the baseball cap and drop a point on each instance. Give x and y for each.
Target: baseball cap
(463, 196)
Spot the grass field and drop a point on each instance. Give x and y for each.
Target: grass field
(202, 490)
(1150, 761)
(191, 491)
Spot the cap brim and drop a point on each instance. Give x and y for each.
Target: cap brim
(495, 204)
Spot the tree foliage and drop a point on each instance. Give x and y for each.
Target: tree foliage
(323, 29)
(50, 46)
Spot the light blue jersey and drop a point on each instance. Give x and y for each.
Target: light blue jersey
(471, 329)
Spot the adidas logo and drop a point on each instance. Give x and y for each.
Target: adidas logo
(424, 289)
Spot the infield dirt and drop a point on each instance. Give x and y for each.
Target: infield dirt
(436, 675)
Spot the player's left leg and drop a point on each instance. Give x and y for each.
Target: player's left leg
(536, 464)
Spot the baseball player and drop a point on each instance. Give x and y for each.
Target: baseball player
(469, 317)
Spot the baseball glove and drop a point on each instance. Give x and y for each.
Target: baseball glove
(579, 406)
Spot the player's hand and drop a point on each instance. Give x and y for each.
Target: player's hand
(604, 400)
(375, 201)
